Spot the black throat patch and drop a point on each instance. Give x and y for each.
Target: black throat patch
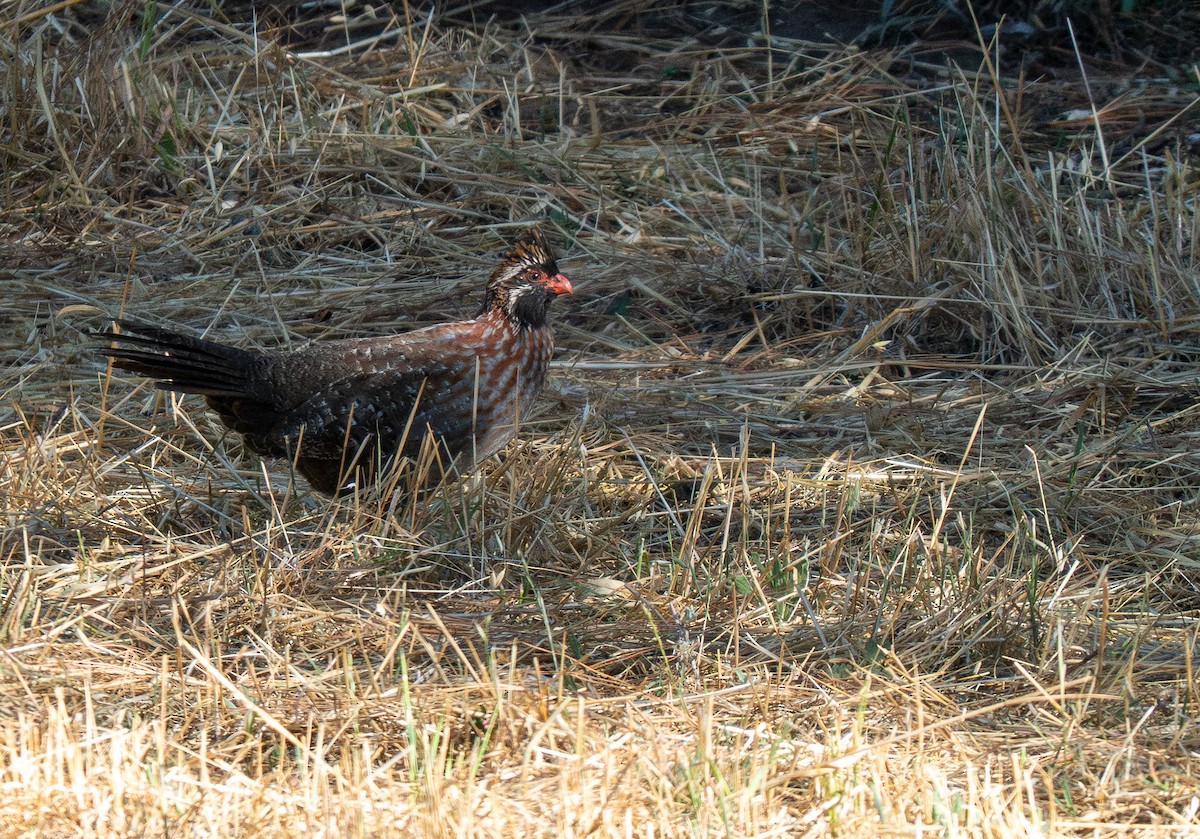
(527, 306)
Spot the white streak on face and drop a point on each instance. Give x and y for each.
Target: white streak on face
(514, 296)
(510, 273)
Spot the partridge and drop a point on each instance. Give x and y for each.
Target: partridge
(341, 411)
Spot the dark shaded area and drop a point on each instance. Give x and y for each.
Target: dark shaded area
(1163, 35)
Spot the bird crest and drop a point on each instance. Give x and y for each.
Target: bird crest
(531, 251)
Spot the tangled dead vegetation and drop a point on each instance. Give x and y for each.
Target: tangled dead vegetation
(864, 498)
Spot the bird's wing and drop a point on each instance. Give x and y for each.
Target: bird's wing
(392, 409)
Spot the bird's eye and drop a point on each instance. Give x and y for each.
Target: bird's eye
(535, 275)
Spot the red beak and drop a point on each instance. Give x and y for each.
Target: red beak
(559, 284)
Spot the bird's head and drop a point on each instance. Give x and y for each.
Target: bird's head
(526, 280)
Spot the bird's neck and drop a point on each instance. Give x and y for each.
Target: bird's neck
(523, 308)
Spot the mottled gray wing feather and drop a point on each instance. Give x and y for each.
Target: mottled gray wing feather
(376, 409)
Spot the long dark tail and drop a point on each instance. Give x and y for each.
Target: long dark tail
(179, 362)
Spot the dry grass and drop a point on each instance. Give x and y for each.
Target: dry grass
(864, 502)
